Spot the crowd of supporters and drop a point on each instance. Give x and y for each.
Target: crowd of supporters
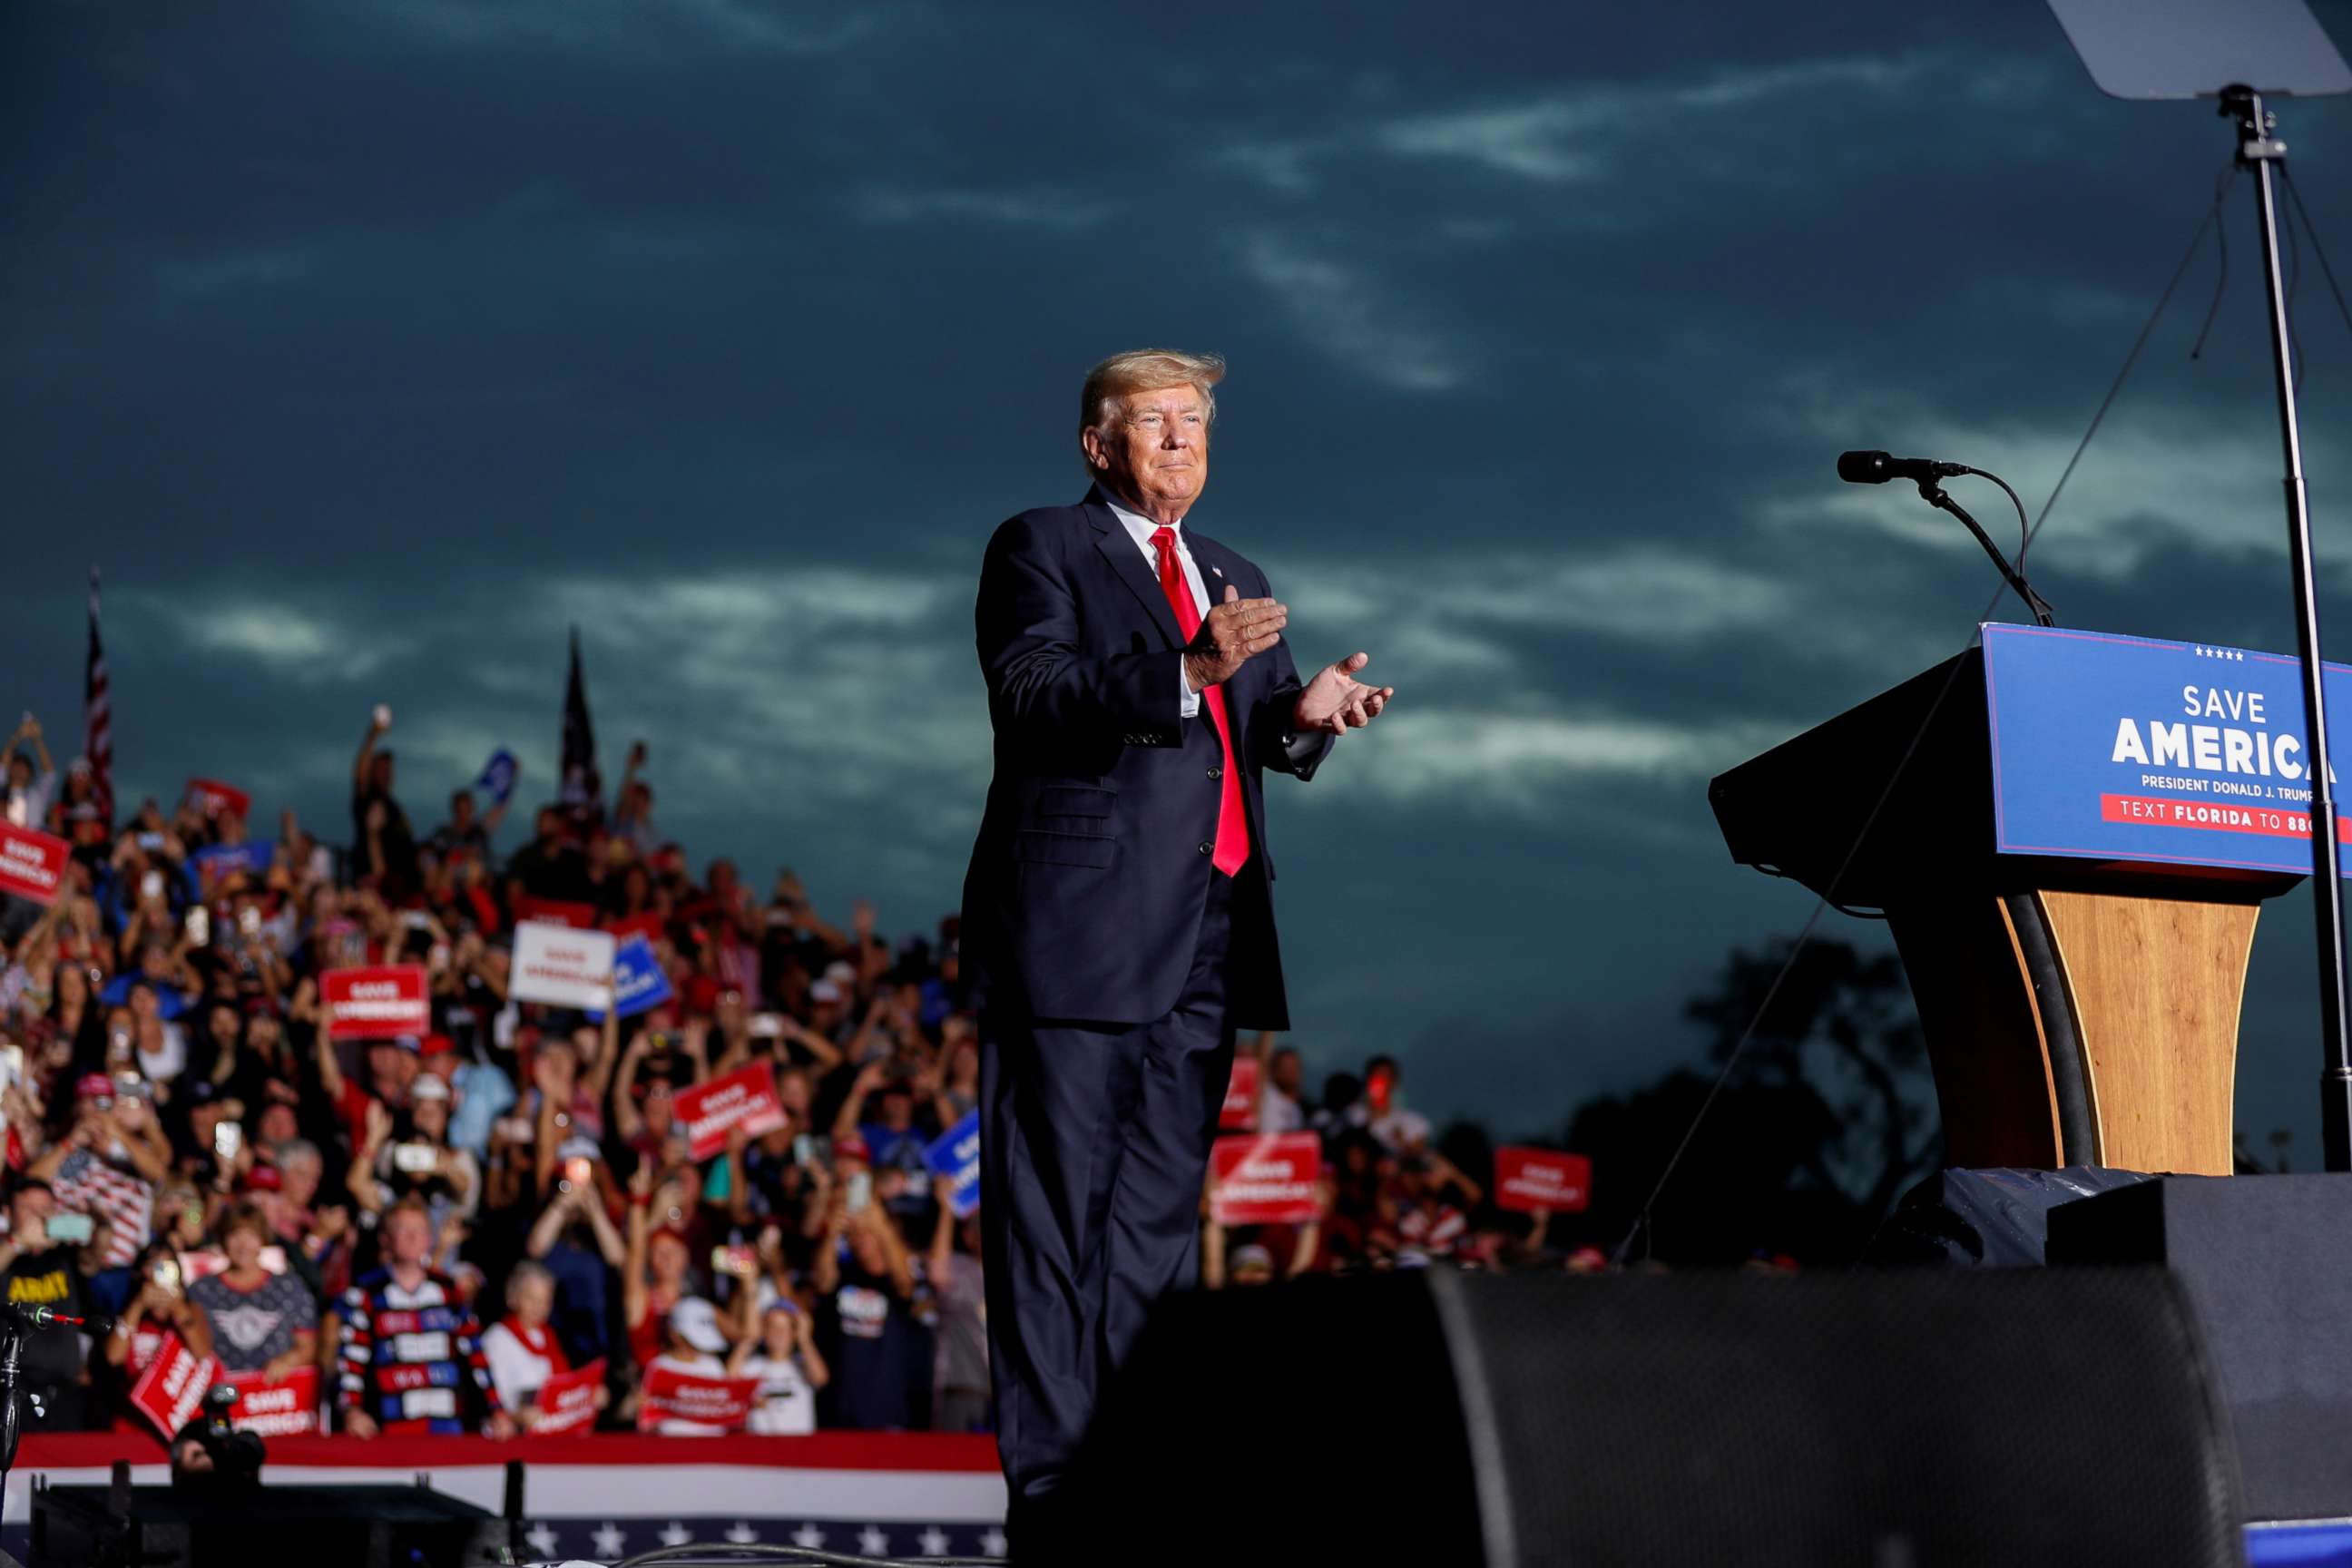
(441, 1221)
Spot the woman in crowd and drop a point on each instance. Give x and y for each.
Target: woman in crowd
(260, 1321)
(523, 1348)
(656, 1275)
(159, 1308)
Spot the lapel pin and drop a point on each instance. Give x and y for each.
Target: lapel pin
(1218, 570)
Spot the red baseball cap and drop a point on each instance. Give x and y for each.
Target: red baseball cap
(435, 1044)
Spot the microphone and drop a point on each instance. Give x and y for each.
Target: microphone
(1877, 467)
(42, 1316)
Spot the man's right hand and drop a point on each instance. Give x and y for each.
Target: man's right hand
(1231, 635)
(358, 1423)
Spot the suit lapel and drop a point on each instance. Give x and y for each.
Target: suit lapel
(1118, 547)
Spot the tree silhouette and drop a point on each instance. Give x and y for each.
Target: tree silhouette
(1827, 1117)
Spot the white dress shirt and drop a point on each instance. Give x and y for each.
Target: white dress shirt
(1140, 529)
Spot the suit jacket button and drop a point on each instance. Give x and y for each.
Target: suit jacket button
(1216, 772)
(1208, 846)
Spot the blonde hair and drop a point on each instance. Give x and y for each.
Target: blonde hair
(1146, 370)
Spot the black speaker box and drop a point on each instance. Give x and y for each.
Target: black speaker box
(2267, 1263)
(347, 1526)
(1909, 1419)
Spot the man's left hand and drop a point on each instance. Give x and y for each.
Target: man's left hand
(1337, 702)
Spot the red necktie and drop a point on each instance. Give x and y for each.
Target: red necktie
(1232, 827)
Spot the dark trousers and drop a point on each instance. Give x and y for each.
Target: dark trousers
(1094, 1146)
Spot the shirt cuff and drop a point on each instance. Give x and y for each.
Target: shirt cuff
(1188, 701)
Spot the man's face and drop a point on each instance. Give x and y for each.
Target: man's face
(1287, 1071)
(300, 1179)
(408, 1237)
(1155, 451)
(461, 809)
(392, 1068)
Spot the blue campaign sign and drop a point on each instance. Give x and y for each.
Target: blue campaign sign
(499, 776)
(639, 982)
(2130, 749)
(221, 860)
(956, 1156)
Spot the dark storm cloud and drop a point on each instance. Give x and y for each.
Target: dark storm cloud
(370, 346)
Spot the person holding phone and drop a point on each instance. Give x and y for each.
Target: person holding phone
(408, 1153)
(792, 1371)
(158, 1308)
(575, 1241)
(38, 1270)
(383, 846)
(864, 1283)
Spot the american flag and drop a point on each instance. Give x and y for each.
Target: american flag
(98, 722)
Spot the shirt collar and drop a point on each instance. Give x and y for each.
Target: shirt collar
(1139, 527)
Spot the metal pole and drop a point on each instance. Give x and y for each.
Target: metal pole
(2257, 151)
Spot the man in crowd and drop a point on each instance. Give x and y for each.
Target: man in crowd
(39, 1270)
(410, 1356)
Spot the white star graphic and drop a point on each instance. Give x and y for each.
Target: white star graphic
(609, 1540)
(992, 1543)
(675, 1534)
(872, 1542)
(542, 1538)
(933, 1542)
(809, 1537)
(741, 1533)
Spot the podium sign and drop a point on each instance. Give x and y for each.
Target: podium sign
(2128, 749)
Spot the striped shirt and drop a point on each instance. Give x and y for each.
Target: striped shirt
(412, 1359)
(87, 1185)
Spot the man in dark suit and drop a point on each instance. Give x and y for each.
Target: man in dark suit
(1118, 923)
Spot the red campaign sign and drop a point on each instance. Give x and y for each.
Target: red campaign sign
(275, 1407)
(567, 1400)
(673, 1395)
(172, 1390)
(32, 863)
(1542, 1181)
(1265, 1179)
(650, 927)
(378, 1001)
(1240, 1112)
(745, 1097)
(554, 911)
(213, 798)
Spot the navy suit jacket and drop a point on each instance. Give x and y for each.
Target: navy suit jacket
(1087, 882)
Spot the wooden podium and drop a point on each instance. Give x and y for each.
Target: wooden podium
(2077, 1011)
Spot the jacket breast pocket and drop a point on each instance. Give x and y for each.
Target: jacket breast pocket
(1046, 847)
(1073, 810)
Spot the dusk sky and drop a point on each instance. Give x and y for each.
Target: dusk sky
(366, 345)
